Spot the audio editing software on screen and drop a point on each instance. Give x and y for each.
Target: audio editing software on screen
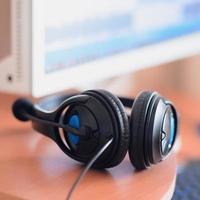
(87, 30)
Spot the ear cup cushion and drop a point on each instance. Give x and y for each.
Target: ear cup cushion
(122, 143)
(137, 129)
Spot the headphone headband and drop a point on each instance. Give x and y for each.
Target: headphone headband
(53, 102)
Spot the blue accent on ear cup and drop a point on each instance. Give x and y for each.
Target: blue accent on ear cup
(172, 130)
(74, 122)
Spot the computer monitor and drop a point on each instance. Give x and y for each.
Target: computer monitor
(81, 41)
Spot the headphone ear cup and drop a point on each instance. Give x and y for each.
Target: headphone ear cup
(121, 141)
(137, 130)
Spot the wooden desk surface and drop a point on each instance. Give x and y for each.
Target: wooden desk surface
(33, 167)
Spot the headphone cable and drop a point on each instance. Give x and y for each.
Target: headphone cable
(86, 169)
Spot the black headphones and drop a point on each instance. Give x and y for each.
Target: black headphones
(82, 123)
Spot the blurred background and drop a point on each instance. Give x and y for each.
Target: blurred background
(180, 76)
(53, 46)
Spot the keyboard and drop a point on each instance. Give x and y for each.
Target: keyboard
(188, 182)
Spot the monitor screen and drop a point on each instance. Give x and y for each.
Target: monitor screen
(78, 31)
(84, 41)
